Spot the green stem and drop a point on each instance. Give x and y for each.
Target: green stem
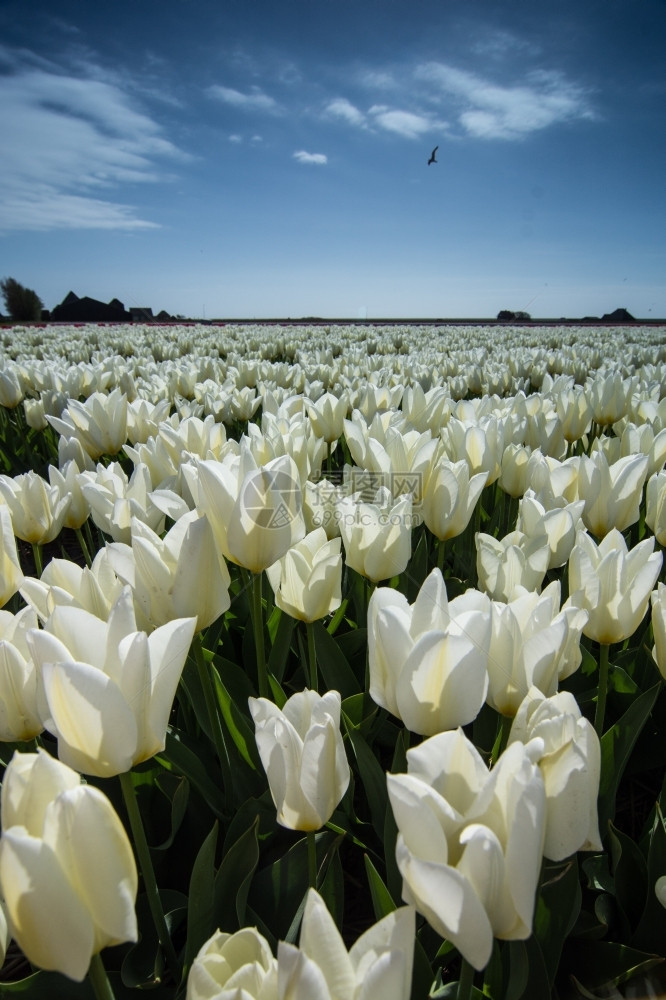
(328, 458)
(99, 979)
(84, 547)
(600, 712)
(441, 552)
(148, 872)
(213, 715)
(312, 657)
(258, 623)
(37, 553)
(312, 859)
(466, 981)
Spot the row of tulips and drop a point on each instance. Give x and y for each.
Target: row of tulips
(433, 705)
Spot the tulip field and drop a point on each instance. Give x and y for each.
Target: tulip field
(332, 662)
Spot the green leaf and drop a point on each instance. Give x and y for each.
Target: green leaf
(238, 726)
(279, 654)
(179, 757)
(232, 882)
(373, 777)
(277, 890)
(382, 901)
(179, 800)
(333, 666)
(332, 888)
(630, 874)
(361, 711)
(607, 963)
(200, 897)
(616, 747)
(558, 905)
(651, 932)
(527, 957)
(620, 681)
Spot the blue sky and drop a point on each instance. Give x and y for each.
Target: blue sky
(244, 158)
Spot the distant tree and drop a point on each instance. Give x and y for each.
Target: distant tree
(21, 303)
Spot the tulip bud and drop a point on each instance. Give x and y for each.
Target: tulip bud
(11, 576)
(377, 536)
(379, 964)
(177, 576)
(428, 661)
(307, 580)
(613, 584)
(570, 765)
(303, 755)
(239, 966)
(470, 840)
(109, 688)
(67, 870)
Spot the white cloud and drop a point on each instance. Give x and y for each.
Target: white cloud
(495, 111)
(405, 123)
(320, 159)
(256, 100)
(66, 138)
(342, 108)
(235, 138)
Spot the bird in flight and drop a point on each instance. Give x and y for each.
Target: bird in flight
(432, 156)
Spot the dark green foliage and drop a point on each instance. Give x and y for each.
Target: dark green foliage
(22, 304)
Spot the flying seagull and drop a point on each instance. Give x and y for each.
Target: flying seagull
(432, 156)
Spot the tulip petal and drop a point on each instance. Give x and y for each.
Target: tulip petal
(448, 902)
(96, 730)
(95, 854)
(48, 920)
(321, 941)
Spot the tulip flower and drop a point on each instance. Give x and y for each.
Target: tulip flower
(100, 424)
(470, 840)
(11, 576)
(68, 482)
(11, 392)
(327, 415)
(303, 755)
(177, 576)
(450, 495)
(38, 510)
(377, 536)
(64, 582)
(612, 492)
(480, 445)
(255, 511)
(570, 766)
(609, 397)
(109, 688)
(560, 524)
(379, 964)
(658, 600)
(533, 644)
(307, 580)
(237, 966)
(575, 412)
(114, 500)
(67, 870)
(428, 661)
(655, 506)
(20, 717)
(613, 584)
(502, 564)
(5, 933)
(513, 477)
